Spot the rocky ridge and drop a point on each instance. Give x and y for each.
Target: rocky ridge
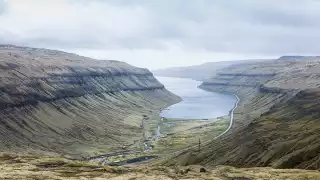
(53, 101)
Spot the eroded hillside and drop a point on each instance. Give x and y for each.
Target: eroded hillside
(277, 121)
(52, 101)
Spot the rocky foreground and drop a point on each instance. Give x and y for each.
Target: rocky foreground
(54, 168)
(58, 102)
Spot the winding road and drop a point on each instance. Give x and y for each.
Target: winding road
(231, 118)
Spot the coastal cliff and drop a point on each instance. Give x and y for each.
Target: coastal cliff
(53, 101)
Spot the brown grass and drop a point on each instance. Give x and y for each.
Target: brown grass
(29, 169)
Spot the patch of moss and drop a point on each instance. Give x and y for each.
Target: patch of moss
(115, 169)
(82, 164)
(7, 156)
(50, 162)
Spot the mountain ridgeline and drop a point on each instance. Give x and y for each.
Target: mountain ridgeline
(53, 101)
(200, 72)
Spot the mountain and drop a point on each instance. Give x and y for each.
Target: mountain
(199, 72)
(277, 121)
(298, 58)
(57, 102)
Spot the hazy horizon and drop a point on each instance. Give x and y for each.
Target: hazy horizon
(168, 33)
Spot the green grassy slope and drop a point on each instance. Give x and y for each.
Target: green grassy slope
(53, 101)
(277, 121)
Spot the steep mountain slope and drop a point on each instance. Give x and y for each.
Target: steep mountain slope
(52, 101)
(277, 123)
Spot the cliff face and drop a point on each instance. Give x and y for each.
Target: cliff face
(61, 102)
(277, 121)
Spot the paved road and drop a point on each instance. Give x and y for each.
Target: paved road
(231, 118)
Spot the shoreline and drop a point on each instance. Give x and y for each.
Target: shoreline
(147, 144)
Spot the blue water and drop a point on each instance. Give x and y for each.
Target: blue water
(196, 103)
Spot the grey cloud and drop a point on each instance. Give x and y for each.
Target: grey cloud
(249, 26)
(289, 14)
(269, 27)
(2, 6)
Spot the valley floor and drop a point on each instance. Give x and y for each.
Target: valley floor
(177, 135)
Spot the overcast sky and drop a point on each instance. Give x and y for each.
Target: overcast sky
(164, 33)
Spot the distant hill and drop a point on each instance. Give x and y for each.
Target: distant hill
(298, 58)
(200, 72)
